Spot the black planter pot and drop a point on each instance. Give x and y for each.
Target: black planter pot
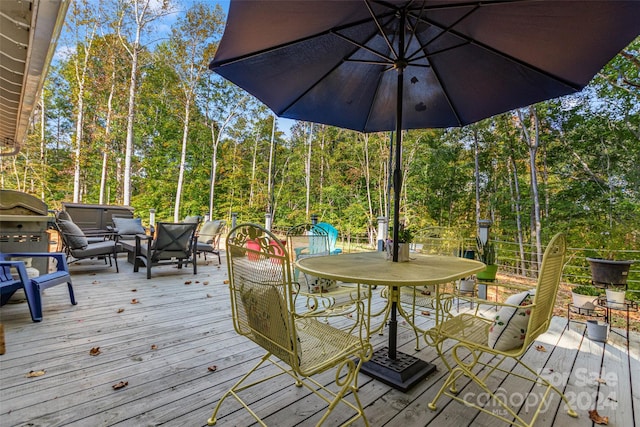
(609, 272)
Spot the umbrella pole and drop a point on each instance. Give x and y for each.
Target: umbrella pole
(397, 189)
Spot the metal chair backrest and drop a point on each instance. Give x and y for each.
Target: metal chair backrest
(173, 240)
(306, 240)
(547, 288)
(261, 292)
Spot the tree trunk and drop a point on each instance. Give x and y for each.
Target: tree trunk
(270, 180)
(107, 138)
(307, 169)
(518, 214)
(254, 157)
(532, 139)
(183, 159)
(128, 151)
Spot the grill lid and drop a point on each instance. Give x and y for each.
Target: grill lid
(18, 203)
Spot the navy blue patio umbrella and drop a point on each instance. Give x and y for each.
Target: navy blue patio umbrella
(378, 65)
(372, 65)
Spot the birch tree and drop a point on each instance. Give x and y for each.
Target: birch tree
(85, 27)
(191, 49)
(531, 137)
(134, 22)
(222, 103)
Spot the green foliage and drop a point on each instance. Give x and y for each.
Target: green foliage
(589, 182)
(486, 252)
(586, 290)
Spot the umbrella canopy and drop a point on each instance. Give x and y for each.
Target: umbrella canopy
(371, 65)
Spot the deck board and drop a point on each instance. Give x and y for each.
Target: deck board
(190, 326)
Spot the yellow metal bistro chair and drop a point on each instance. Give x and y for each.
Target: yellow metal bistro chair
(332, 297)
(263, 310)
(507, 335)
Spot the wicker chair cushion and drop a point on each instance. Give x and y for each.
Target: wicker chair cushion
(128, 226)
(509, 327)
(73, 234)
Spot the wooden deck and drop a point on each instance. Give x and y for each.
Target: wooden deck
(163, 346)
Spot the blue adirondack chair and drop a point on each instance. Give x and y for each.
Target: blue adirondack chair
(332, 234)
(32, 286)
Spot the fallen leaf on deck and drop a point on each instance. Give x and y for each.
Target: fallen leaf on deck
(205, 283)
(33, 374)
(134, 301)
(596, 418)
(601, 381)
(134, 290)
(120, 385)
(94, 351)
(197, 281)
(188, 282)
(425, 292)
(209, 296)
(218, 266)
(541, 348)
(212, 368)
(120, 310)
(426, 313)
(154, 347)
(226, 282)
(95, 282)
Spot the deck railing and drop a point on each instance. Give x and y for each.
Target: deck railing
(511, 261)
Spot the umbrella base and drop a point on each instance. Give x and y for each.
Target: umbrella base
(402, 373)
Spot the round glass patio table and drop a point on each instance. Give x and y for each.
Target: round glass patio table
(390, 366)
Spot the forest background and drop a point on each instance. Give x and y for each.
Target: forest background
(131, 115)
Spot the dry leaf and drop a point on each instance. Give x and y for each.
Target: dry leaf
(121, 384)
(218, 266)
(95, 282)
(197, 281)
(120, 310)
(134, 301)
(154, 347)
(226, 282)
(601, 381)
(209, 296)
(188, 282)
(541, 348)
(134, 290)
(425, 292)
(426, 313)
(212, 368)
(33, 374)
(205, 283)
(596, 418)
(94, 351)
